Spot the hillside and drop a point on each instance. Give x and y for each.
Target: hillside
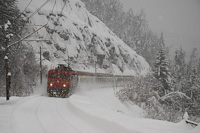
(73, 35)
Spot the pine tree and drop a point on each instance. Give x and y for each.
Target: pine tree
(161, 70)
(192, 61)
(179, 68)
(10, 12)
(198, 67)
(192, 75)
(8, 15)
(21, 58)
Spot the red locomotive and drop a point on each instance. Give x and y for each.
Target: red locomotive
(61, 81)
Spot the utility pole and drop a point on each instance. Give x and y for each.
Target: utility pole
(40, 65)
(6, 67)
(68, 61)
(95, 67)
(7, 38)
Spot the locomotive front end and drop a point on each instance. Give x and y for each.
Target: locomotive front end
(60, 81)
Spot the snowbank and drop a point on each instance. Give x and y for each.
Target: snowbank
(103, 104)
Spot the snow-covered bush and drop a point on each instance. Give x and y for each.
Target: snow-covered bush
(144, 91)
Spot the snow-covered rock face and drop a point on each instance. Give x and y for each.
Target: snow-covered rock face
(77, 36)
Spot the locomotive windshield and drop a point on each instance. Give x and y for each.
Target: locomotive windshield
(52, 75)
(64, 76)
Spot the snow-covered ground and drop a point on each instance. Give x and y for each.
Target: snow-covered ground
(89, 110)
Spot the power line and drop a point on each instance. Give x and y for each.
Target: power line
(34, 12)
(63, 7)
(53, 7)
(37, 29)
(52, 10)
(36, 40)
(59, 16)
(23, 39)
(38, 9)
(54, 29)
(23, 10)
(26, 36)
(34, 25)
(27, 5)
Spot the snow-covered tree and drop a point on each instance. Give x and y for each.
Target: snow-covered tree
(186, 79)
(161, 71)
(198, 67)
(178, 69)
(10, 22)
(21, 60)
(192, 63)
(193, 85)
(10, 12)
(8, 26)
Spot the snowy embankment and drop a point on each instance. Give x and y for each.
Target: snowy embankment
(87, 111)
(103, 104)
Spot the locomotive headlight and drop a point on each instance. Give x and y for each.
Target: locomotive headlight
(64, 85)
(51, 84)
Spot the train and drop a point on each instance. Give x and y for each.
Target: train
(61, 81)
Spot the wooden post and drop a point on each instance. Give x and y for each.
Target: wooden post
(6, 67)
(6, 60)
(9, 84)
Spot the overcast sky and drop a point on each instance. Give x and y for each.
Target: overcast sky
(178, 19)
